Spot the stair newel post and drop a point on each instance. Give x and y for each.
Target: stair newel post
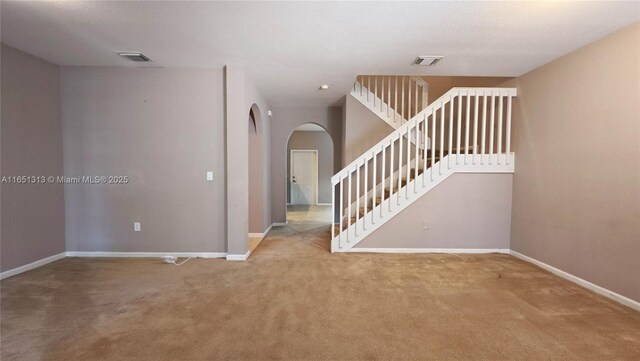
(333, 213)
(341, 208)
(451, 107)
(484, 126)
(466, 128)
(400, 150)
(500, 118)
(492, 127)
(442, 117)
(434, 117)
(425, 155)
(459, 128)
(508, 150)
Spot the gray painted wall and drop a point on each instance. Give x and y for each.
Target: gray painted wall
(256, 182)
(320, 141)
(576, 191)
(362, 130)
(33, 217)
(283, 123)
(241, 95)
(464, 211)
(164, 129)
(262, 210)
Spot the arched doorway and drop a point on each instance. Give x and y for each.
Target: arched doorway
(310, 166)
(255, 219)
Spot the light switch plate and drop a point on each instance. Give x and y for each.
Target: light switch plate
(136, 226)
(209, 176)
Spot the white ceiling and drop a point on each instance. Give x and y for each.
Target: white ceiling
(290, 49)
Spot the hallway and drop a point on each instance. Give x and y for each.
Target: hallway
(315, 213)
(293, 300)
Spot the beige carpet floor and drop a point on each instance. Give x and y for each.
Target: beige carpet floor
(293, 300)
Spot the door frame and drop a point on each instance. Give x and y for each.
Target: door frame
(315, 178)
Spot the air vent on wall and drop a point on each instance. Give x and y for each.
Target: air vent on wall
(428, 60)
(133, 56)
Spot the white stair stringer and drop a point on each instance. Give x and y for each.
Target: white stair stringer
(416, 188)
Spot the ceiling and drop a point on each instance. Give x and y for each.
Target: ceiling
(290, 49)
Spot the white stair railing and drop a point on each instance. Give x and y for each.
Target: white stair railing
(470, 131)
(394, 98)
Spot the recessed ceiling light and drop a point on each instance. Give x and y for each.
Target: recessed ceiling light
(133, 56)
(428, 60)
(324, 87)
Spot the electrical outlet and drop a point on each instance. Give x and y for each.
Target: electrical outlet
(136, 226)
(209, 176)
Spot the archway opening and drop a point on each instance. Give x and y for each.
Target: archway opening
(310, 166)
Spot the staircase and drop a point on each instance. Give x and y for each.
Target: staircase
(466, 130)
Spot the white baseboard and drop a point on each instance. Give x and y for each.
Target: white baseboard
(429, 250)
(32, 265)
(323, 204)
(148, 254)
(584, 283)
(279, 224)
(261, 235)
(238, 257)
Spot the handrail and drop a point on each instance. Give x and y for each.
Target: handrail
(462, 131)
(436, 105)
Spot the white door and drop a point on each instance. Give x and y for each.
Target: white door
(304, 176)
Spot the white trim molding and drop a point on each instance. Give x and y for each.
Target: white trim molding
(148, 254)
(579, 281)
(280, 224)
(324, 204)
(263, 234)
(430, 250)
(238, 257)
(32, 265)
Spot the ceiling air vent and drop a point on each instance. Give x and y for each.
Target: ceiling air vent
(133, 56)
(428, 60)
